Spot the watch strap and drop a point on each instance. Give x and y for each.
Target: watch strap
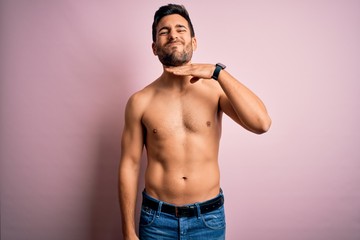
(218, 68)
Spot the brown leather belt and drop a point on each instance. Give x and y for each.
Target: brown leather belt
(185, 211)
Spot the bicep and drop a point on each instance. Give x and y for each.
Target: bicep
(132, 140)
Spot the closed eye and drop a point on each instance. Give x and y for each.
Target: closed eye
(181, 28)
(164, 30)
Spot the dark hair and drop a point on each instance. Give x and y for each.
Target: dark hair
(168, 10)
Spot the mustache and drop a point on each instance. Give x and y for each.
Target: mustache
(174, 41)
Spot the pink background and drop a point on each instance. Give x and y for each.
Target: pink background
(68, 67)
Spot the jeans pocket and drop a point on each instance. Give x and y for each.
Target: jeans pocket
(215, 219)
(147, 216)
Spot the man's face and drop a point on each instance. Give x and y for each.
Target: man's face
(174, 45)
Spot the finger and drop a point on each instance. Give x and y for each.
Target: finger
(180, 72)
(169, 69)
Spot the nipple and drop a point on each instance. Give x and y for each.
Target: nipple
(154, 130)
(208, 123)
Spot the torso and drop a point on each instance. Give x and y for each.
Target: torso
(182, 132)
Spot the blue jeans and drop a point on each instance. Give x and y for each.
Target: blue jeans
(157, 225)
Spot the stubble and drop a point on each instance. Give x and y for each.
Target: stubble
(174, 58)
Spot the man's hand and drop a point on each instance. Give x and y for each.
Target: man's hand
(197, 71)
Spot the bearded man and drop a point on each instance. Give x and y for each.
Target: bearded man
(177, 118)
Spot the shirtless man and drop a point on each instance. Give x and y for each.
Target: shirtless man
(178, 119)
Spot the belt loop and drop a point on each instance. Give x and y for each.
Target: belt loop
(159, 209)
(222, 194)
(198, 210)
(176, 211)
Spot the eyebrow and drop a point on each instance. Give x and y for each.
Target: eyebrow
(176, 26)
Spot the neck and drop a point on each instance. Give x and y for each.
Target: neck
(173, 81)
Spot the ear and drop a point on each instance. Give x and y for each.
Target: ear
(153, 46)
(194, 43)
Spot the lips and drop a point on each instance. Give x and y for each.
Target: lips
(174, 43)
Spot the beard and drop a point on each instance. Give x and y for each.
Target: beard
(174, 58)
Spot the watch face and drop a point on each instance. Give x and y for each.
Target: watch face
(221, 65)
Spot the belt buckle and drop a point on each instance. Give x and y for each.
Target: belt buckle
(183, 211)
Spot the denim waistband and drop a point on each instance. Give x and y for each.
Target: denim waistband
(188, 210)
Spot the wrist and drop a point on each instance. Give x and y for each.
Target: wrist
(218, 68)
(128, 231)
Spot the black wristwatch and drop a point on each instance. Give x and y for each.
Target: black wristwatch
(218, 68)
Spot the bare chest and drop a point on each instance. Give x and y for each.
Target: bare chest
(169, 116)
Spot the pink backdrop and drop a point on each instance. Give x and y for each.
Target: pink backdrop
(68, 67)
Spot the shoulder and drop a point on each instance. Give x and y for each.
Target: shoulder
(139, 100)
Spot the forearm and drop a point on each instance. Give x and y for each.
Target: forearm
(249, 108)
(128, 186)
(239, 100)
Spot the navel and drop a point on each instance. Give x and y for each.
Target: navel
(184, 178)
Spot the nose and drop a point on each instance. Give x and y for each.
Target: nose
(173, 35)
